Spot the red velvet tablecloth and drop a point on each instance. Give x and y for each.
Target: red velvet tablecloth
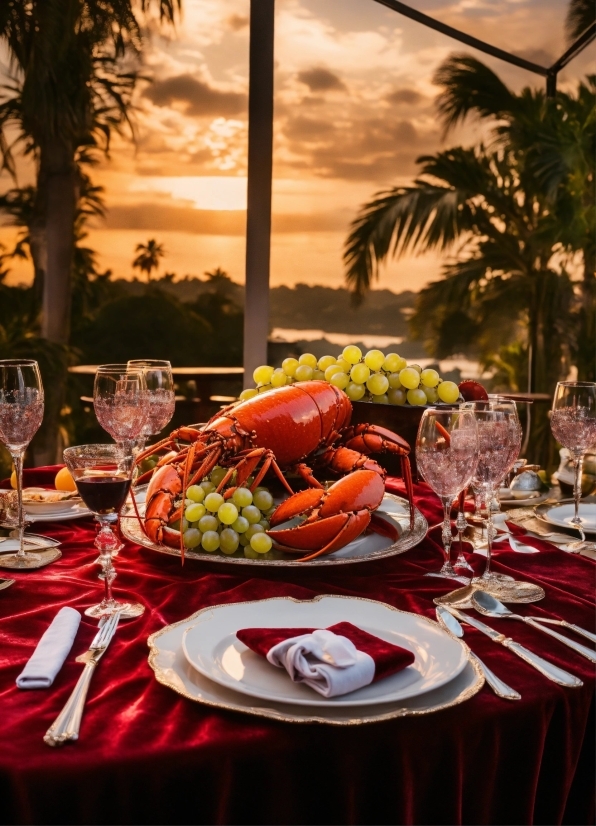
(147, 755)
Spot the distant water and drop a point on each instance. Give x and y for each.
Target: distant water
(469, 369)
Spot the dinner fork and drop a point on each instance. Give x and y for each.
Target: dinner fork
(67, 724)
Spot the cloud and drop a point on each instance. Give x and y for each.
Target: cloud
(198, 98)
(408, 96)
(237, 22)
(319, 79)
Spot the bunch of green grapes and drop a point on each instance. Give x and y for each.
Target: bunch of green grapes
(212, 523)
(374, 377)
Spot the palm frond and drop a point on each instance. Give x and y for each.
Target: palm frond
(580, 15)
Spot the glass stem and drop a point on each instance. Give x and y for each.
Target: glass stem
(447, 536)
(578, 461)
(109, 573)
(18, 466)
(477, 504)
(489, 532)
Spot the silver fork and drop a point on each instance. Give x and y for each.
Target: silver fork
(67, 724)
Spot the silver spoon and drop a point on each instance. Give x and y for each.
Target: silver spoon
(491, 607)
(453, 626)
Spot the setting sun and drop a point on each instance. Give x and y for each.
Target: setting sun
(216, 192)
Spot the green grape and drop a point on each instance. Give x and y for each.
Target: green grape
(384, 399)
(217, 474)
(417, 368)
(394, 382)
(261, 543)
(430, 378)
(262, 375)
(213, 502)
(279, 378)
(244, 539)
(248, 551)
(331, 371)
(192, 538)
(324, 362)
(431, 394)
(396, 395)
(227, 513)
(308, 359)
(194, 512)
(195, 493)
(374, 359)
(179, 525)
(409, 378)
(263, 388)
(242, 497)
(343, 365)
(207, 486)
(378, 384)
(304, 372)
(355, 392)
(210, 541)
(208, 523)
(318, 375)
(394, 363)
(263, 499)
(240, 525)
(448, 392)
(340, 380)
(252, 513)
(255, 528)
(417, 397)
(249, 393)
(352, 354)
(289, 366)
(228, 541)
(360, 373)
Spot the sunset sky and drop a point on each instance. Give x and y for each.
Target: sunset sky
(354, 107)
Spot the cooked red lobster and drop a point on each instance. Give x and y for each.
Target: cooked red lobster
(297, 428)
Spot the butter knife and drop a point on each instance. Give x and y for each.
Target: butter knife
(67, 724)
(552, 672)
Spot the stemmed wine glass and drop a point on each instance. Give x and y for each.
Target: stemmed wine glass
(121, 403)
(102, 474)
(499, 441)
(160, 391)
(21, 414)
(573, 423)
(446, 455)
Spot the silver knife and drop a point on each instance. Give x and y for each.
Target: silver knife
(67, 724)
(501, 689)
(553, 672)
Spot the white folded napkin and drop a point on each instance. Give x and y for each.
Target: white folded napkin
(51, 651)
(327, 662)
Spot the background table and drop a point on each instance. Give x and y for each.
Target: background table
(147, 755)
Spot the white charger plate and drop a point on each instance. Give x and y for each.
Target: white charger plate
(171, 669)
(562, 515)
(363, 549)
(211, 646)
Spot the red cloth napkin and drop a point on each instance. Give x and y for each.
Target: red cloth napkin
(388, 658)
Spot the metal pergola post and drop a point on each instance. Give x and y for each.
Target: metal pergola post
(260, 170)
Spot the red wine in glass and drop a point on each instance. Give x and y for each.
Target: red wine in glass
(103, 494)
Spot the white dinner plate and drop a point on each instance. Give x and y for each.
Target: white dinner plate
(562, 515)
(535, 498)
(74, 511)
(211, 646)
(171, 668)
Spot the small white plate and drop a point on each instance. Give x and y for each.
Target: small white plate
(562, 515)
(75, 511)
(47, 506)
(535, 498)
(211, 646)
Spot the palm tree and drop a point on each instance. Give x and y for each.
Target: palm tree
(148, 256)
(70, 87)
(580, 15)
(498, 209)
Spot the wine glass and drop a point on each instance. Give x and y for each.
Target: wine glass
(573, 423)
(102, 474)
(446, 456)
(499, 441)
(121, 403)
(21, 414)
(160, 391)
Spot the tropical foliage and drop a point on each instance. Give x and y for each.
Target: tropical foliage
(148, 257)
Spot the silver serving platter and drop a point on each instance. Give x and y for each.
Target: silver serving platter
(364, 549)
